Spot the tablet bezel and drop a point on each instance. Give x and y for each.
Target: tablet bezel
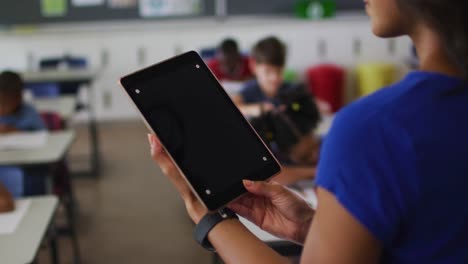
(231, 193)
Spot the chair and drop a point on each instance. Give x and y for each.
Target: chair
(208, 53)
(76, 62)
(373, 76)
(23, 182)
(326, 83)
(70, 62)
(53, 121)
(42, 90)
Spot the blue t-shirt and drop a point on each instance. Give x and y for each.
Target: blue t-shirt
(25, 119)
(252, 93)
(397, 160)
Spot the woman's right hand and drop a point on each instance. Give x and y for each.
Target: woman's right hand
(275, 209)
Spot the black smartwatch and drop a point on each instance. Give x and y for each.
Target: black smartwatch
(207, 223)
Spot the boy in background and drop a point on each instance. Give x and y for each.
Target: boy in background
(229, 64)
(15, 115)
(268, 59)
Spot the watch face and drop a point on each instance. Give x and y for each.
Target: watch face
(226, 212)
(223, 214)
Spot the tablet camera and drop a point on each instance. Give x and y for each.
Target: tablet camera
(137, 91)
(265, 158)
(197, 66)
(208, 192)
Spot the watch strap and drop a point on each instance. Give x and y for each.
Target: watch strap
(208, 222)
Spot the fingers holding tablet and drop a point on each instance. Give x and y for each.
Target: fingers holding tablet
(195, 209)
(167, 165)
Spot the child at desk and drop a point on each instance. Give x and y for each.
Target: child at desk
(15, 115)
(261, 95)
(229, 64)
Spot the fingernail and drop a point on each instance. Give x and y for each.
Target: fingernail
(149, 138)
(248, 183)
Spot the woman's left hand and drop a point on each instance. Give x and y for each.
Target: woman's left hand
(195, 208)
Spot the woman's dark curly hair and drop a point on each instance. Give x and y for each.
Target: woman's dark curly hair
(284, 128)
(450, 19)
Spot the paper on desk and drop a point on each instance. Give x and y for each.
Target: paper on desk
(10, 221)
(23, 140)
(324, 126)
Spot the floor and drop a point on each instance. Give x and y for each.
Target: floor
(130, 213)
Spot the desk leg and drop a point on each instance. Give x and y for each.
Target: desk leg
(93, 132)
(95, 158)
(54, 258)
(70, 210)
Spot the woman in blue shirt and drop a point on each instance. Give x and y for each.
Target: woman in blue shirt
(393, 172)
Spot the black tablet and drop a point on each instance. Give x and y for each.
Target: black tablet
(202, 130)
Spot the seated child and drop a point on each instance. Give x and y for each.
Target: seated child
(268, 59)
(289, 134)
(6, 200)
(229, 64)
(15, 115)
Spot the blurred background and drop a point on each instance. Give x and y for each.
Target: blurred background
(114, 205)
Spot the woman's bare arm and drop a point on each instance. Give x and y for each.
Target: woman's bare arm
(337, 237)
(235, 244)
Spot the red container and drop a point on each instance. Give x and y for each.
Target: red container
(326, 83)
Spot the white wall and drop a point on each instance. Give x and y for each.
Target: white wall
(125, 45)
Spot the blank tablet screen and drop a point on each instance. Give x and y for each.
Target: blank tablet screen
(201, 128)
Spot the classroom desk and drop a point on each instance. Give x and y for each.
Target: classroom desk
(53, 151)
(57, 146)
(23, 245)
(80, 77)
(85, 76)
(65, 106)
